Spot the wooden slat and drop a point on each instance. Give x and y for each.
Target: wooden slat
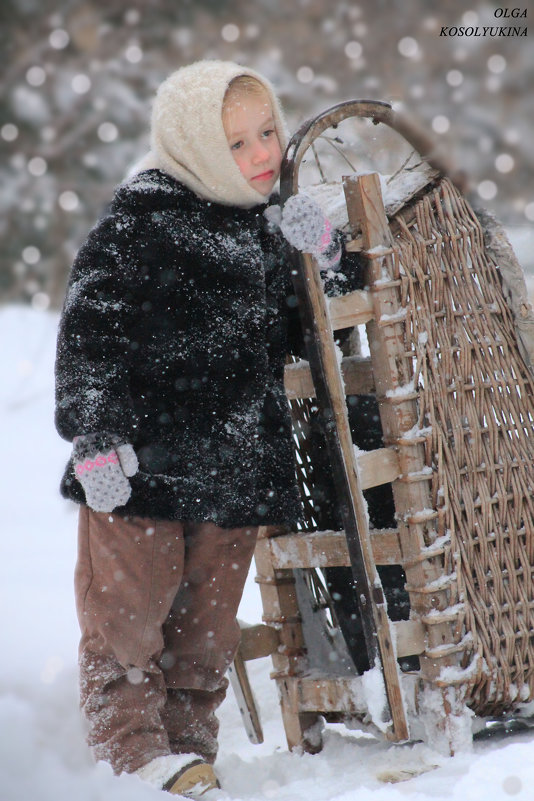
(377, 467)
(340, 694)
(354, 245)
(410, 637)
(357, 375)
(347, 694)
(298, 380)
(403, 191)
(237, 673)
(279, 601)
(326, 695)
(258, 641)
(364, 206)
(385, 544)
(329, 549)
(356, 308)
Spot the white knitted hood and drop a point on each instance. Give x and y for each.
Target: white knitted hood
(188, 139)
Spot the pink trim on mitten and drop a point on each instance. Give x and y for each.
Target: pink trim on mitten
(326, 238)
(100, 461)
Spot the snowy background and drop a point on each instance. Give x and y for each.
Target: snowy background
(43, 756)
(74, 108)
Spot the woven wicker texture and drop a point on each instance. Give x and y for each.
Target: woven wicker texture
(476, 400)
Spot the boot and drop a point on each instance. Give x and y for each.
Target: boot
(186, 775)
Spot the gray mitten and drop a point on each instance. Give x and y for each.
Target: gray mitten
(306, 227)
(102, 464)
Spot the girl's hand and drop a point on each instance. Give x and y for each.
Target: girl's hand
(306, 227)
(102, 464)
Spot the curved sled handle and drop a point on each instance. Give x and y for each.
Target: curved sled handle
(377, 111)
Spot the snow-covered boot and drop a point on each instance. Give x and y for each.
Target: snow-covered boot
(186, 775)
(193, 780)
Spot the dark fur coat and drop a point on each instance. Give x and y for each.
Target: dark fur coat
(174, 334)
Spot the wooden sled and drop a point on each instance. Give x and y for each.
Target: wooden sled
(455, 398)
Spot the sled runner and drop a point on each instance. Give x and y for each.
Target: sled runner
(410, 621)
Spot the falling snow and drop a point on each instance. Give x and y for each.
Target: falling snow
(45, 757)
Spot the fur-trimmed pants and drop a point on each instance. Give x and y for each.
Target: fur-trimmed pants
(157, 604)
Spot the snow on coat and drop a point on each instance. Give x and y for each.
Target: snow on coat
(173, 335)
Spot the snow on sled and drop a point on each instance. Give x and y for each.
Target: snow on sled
(405, 603)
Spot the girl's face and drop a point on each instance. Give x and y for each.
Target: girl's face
(249, 128)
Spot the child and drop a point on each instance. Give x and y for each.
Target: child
(169, 377)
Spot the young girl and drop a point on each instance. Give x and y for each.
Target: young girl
(169, 371)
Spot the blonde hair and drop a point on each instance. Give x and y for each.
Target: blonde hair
(243, 85)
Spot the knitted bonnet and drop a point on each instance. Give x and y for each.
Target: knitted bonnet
(188, 139)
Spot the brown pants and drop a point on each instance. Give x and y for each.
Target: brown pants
(157, 604)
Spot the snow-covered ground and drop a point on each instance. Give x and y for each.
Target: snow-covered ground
(42, 754)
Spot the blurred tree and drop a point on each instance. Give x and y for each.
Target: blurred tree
(80, 75)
